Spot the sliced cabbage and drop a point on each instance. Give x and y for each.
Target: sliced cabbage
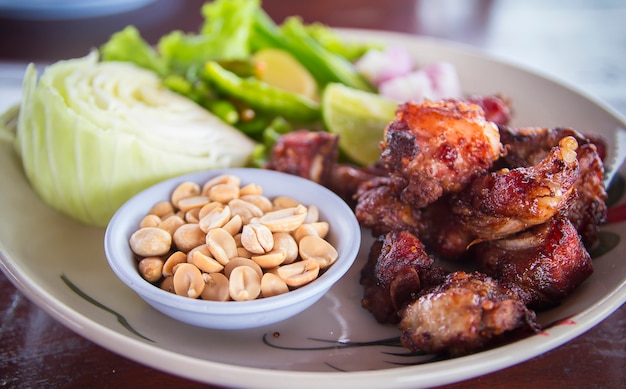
(92, 134)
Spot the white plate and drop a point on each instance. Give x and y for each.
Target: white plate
(59, 264)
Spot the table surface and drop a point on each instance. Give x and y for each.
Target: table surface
(582, 43)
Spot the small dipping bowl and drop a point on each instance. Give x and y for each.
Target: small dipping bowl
(344, 234)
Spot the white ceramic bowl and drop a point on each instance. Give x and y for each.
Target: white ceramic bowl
(344, 235)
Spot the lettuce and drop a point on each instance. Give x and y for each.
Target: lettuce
(128, 45)
(225, 35)
(92, 134)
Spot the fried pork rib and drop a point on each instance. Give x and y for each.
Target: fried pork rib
(434, 148)
(508, 201)
(308, 154)
(442, 232)
(527, 146)
(547, 261)
(465, 313)
(497, 108)
(380, 208)
(398, 267)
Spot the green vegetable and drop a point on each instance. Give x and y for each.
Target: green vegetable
(128, 46)
(359, 118)
(262, 96)
(224, 110)
(271, 134)
(330, 40)
(293, 37)
(225, 35)
(8, 123)
(92, 134)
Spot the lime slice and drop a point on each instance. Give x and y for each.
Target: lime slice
(359, 118)
(280, 69)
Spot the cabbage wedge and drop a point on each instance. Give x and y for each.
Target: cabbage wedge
(92, 134)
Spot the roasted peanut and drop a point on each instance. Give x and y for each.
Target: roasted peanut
(188, 280)
(281, 202)
(208, 208)
(299, 273)
(150, 242)
(168, 284)
(162, 209)
(215, 287)
(215, 218)
(317, 249)
(319, 229)
(221, 244)
(150, 221)
(247, 211)
(187, 203)
(272, 285)
(264, 204)
(201, 258)
(234, 225)
(184, 190)
(173, 260)
(285, 219)
(270, 260)
(151, 268)
(221, 179)
(312, 214)
(244, 284)
(188, 236)
(241, 261)
(257, 238)
(285, 242)
(171, 224)
(191, 216)
(223, 193)
(250, 189)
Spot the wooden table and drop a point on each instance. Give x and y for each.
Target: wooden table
(582, 42)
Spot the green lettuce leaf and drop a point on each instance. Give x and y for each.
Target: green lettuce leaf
(128, 46)
(225, 35)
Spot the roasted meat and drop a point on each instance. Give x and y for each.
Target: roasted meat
(526, 146)
(442, 232)
(434, 148)
(497, 108)
(308, 154)
(508, 201)
(346, 179)
(398, 267)
(547, 261)
(381, 209)
(465, 313)
(589, 210)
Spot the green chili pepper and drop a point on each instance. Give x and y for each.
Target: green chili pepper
(254, 126)
(274, 130)
(224, 110)
(262, 96)
(258, 158)
(178, 84)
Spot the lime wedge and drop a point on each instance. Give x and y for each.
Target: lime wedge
(359, 118)
(280, 69)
